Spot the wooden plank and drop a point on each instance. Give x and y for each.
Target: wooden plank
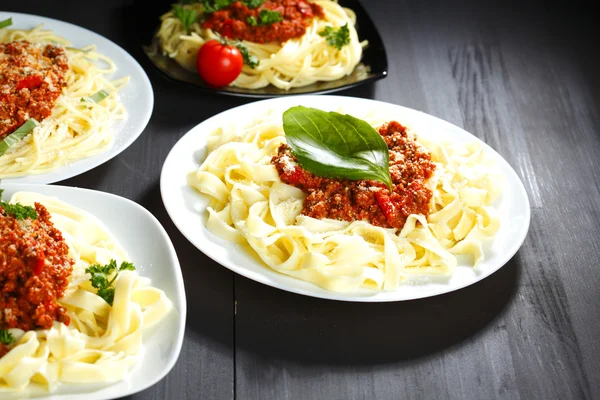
(420, 349)
(530, 343)
(559, 114)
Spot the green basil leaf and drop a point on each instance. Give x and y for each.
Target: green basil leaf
(17, 135)
(334, 145)
(5, 23)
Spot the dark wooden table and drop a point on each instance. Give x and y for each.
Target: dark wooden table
(523, 77)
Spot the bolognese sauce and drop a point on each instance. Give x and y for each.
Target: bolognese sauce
(348, 200)
(233, 22)
(34, 271)
(32, 77)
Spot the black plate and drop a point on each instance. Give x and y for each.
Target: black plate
(373, 65)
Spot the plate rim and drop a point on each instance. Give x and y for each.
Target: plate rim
(141, 116)
(180, 306)
(362, 18)
(195, 131)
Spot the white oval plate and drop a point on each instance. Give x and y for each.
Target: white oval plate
(137, 96)
(151, 250)
(187, 207)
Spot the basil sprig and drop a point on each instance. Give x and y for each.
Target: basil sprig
(334, 145)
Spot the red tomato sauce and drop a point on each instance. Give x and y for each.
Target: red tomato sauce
(367, 200)
(32, 77)
(34, 271)
(232, 22)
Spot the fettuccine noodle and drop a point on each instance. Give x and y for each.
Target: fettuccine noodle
(249, 204)
(101, 343)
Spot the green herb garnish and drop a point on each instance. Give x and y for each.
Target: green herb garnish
(267, 17)
(252, 21)
(18, 211)
(6, 337)
(185, 15)
(211, 6)
(337, 38)
(5, 23)
(96, 97)
(253, 3)
(334, 145)
(17, 135)
(100, 278)
(249, 59)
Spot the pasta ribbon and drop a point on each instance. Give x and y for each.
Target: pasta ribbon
(102, 342)
(249, 204)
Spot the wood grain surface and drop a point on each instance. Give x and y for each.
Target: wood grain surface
(523, 77)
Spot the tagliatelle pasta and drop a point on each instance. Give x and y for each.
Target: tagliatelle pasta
(250, 204)
(102, 342)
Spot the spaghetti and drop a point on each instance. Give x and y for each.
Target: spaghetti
(74, 129)
(285, 64)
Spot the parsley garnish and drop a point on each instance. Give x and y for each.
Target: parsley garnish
(253, 3)
(267, 17)
(337, 38)
(249, 59)
(211, 6)
(251, 21)
(185, 15)
(6, 337)
(100, 278)
(18, 211)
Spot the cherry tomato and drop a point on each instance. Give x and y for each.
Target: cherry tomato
(219, 64)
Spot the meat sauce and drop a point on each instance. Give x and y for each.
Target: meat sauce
(367, 200)
(32, 77)
(232, 22)
(34, 271)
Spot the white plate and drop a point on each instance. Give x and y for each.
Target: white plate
(151, 250)
(187, 207)
(137, 96)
